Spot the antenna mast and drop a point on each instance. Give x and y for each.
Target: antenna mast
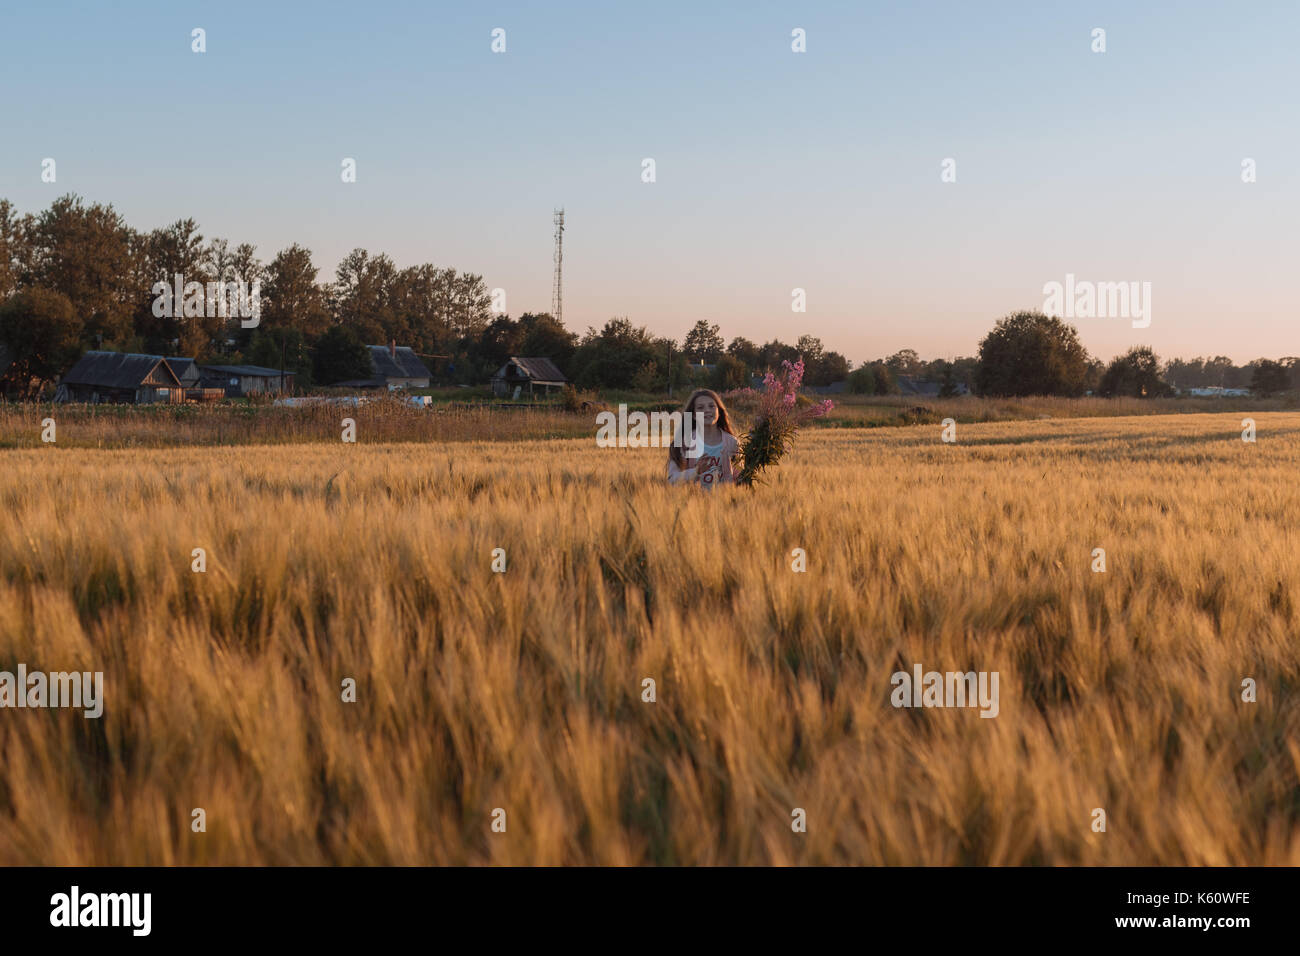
(557, 297)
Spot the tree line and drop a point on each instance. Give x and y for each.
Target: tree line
(76, 276)
(1029, 353)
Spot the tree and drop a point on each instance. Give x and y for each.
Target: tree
(862, 380)
(543, 335)
(772, 354)
(964, 369)
(832, 367)
(291, 298)
(820, 366)
(729, 373)
(1186, 374)
(341, 356)
(1292, 365)
(704, 343)
(1270, 378)
(1217, 371)
(363, 297)
(418, 300)
(905, 362)
(623, 356)
(41, 332)
(501, 339)
(948, 379)
(173, 250)
(1028, 353)
(1136, 373)
(84, 252)
(873, 378)
(1092, 375)
(810, 349)
(271, 347)
(744, 350)
(13, 249)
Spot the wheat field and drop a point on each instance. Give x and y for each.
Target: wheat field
(475, 690)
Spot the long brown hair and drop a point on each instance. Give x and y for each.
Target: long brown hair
(675, 450)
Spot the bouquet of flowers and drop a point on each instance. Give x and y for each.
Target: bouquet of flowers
(778, 420)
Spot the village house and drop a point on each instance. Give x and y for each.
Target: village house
(240, 381)
(120, 378)
(530, 373)
(912, 385)
(398, 367)
(392, 366)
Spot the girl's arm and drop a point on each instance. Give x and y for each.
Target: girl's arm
(736, 456)
(679, 476)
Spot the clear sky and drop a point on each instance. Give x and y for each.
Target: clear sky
(775, 170)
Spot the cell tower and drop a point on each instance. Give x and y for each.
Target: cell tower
(557, 293)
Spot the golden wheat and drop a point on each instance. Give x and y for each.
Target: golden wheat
(523, 690)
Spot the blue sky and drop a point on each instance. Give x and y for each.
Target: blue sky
(775, 170)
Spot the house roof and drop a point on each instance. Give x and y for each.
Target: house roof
(179, 366)
(119, 370)
(539, 369)
(911, 385)
(256, 371)
(834, 388)
(405, 364)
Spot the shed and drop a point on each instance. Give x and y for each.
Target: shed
(531, 372)
(120, 378)
(240, 381)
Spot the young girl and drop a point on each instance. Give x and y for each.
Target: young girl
(712, 463)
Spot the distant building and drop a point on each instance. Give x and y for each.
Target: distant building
(530, 373)
(835, 388)
(186, 371)
(392, 366)
(122, 378)
(240, 381)
(1214, 391)
(398, 367)
(911, 385)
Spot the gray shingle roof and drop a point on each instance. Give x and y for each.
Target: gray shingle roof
(254, 370)
(406, 364)
(118, 370)
(538, 369)
(181, 367)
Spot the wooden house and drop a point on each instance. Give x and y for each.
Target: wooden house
(240, 381)
(527, 374)
(120, 378)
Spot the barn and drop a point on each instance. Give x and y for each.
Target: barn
(120, 378)
(530, 373)
(240, 381)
